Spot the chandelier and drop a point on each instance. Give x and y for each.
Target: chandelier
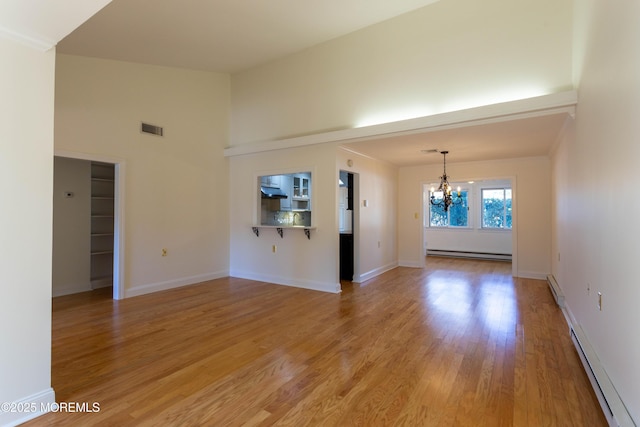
(444, 192)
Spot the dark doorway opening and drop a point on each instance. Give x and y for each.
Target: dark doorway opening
(346, 225)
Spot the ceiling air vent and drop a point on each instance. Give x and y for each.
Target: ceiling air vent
(152, 129)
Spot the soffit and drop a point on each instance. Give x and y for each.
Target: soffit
(525, 137)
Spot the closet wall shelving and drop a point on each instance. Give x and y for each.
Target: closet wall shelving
(102, 216)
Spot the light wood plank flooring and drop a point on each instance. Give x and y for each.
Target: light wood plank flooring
(459, 343)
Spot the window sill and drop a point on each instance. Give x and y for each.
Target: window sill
(495, 230)
(449, 228)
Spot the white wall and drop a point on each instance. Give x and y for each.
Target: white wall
(531, 204)
(595, 229)
(298, 261)
(26, 171)
(472, 238)
(312, 263)
(375, 225)
(447, 56)
(71, 226)
(176, 189)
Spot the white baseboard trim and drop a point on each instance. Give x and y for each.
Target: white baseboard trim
(375, 272)
(411, 264)
(59, 291)
(612, 405)
(333, 288)
(532, 275)
(170, 284)
(568, 315)
(556, 290)
(32, 407)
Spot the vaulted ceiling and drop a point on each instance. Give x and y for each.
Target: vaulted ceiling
(222, 35)
(230, 36)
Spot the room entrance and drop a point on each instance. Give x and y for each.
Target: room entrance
(345, 221)
(87, 224)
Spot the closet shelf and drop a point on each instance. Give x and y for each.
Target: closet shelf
(102, 224)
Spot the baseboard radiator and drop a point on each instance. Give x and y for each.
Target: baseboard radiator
(612, 406)
(555, 290)
(469, 254)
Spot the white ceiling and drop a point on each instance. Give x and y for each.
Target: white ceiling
(234, 35)
(222, 35)
(526, 137)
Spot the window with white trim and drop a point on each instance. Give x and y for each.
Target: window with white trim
(496, 208)
(456, 217)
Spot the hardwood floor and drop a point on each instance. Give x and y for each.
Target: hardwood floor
(459, 343)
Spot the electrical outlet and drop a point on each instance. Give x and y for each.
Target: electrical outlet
(600, 301)
(164, 252)
(274, 249)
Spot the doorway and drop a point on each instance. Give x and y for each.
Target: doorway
(478, 241)
(346, 224)
(88, 206)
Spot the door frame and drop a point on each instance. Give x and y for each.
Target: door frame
(354, 220)
(514, 213)
(355, 226)
(118, 213)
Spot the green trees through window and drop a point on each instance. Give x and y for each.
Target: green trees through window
(457, 216)
(493, 211)
(496, 208)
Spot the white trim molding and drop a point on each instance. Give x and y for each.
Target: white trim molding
(562, 102)
(411, 264)
(531, 275)
(334, 288)
(42, 44)
(28, 408)
(52, 22)
(374, 273)
(610, 401)
(119, 210)
(175, 283)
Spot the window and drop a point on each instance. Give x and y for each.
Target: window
(457, 216)
(496, 208)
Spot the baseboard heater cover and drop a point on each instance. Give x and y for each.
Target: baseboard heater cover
(469, 254)
(555, 290)
(612, 406)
